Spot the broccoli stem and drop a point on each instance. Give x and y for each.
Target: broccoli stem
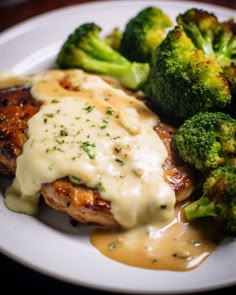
(203, 43)
(100, 50)
(108, 61)
(202, 207)
(225, 49)
(86, 50)
(130, 74)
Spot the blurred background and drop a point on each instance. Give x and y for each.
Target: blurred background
(15, 11)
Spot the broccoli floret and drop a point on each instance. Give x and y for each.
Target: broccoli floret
(183, 81)
(215, 39)
(218, 199)
(114, 38)
(85, 49)
(225, 43)
(200, 26)
(207, 140)
(143, 33)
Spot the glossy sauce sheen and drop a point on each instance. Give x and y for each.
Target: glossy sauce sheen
(97, 111)
(176, 245)
(102, 137)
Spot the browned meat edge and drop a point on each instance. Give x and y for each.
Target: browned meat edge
(81, 203)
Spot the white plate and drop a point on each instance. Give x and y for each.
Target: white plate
(48, 243)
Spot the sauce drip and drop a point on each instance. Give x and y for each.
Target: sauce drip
(176, 246)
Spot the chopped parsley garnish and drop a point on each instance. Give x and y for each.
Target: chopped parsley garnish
(55, 101)
(88, 109)
(109, 111)
(104, 124)
(112, 246)
(49, 115)
(120, 162)
(74, 179)
(55, 148)
(85, 146)
(101, 187)
(63, 132)
(60, 141)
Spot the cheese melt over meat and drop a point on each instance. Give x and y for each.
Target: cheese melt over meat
(101, 138)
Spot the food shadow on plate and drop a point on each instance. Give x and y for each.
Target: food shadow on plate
(54, 219)
(4, 183)
(60, 221)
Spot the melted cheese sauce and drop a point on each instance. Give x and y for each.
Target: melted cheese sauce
(102, 137)
(105, 139)
(174, 245)
(8, 79)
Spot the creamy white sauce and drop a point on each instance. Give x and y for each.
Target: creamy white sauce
(9, 79)
(176, 245)
(101, 136)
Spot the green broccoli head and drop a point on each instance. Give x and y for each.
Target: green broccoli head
(114, 38)
(143, 33)
(200, 26)
(85, 49)
(218, 199)
(225, 43)
(207, 140)
(183, 81)
(216, 39)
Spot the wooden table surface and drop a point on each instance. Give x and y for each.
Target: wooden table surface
(15, 277)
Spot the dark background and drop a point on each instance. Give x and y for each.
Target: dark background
(11, 15)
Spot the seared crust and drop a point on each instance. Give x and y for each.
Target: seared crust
(180, 176)
(81, 203)
(86, 206)
(16, 107)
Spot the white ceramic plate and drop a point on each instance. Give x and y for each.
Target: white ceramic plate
(48, 243)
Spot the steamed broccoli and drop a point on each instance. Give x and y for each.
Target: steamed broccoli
(207, 140)
(216, 39)
(183, 81)
(201, 27)
(187, 70)
(225, 43)
(85, 49)
(143, 33)
(114, 38)
(218, 199)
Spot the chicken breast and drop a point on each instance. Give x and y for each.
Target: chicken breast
(16, 107)
(86, 206)
(83, 204)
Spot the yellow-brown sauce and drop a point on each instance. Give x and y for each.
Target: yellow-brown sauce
(173, 245)
(177, 246)
(103, 138)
